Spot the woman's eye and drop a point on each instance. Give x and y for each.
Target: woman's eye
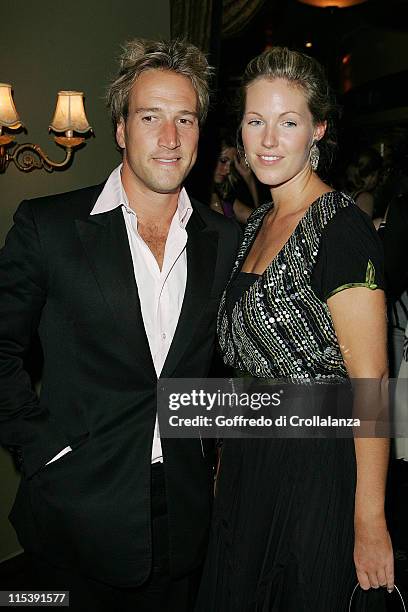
(289, 123)
(254, 122)
(223, 160)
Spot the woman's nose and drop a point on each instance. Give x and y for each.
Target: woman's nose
(270, 137)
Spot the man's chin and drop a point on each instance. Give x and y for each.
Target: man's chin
(168, 190)
(168, 186)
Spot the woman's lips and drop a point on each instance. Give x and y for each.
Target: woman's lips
(269, 160)
(219, 176)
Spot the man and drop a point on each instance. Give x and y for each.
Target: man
(122, 282)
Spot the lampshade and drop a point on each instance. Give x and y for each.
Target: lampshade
(8, 114)
(70, 113)
(332, 3)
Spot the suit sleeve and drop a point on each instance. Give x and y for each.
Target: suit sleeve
(237, 238)
(24, 425)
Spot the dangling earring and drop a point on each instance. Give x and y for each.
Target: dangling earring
(246, 160)
(314, 156)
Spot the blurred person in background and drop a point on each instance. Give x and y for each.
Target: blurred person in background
(393, 231)
(363, 174)
(234, 192)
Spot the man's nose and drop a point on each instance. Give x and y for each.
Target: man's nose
(169, 137)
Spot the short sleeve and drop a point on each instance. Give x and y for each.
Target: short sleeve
(350, 255)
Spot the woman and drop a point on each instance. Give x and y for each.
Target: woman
(362, 178)
(225, 198)
(304, 302)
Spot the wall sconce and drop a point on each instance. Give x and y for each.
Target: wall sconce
(69, 117)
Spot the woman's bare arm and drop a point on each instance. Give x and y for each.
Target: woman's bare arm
(359, 318)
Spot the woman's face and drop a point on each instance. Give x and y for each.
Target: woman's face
(278, 130)
(223, 167)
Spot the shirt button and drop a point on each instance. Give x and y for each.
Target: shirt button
(163, 336)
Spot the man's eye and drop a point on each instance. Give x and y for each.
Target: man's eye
(148, 118)
(185, 121)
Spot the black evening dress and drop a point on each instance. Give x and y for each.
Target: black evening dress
(282, 533)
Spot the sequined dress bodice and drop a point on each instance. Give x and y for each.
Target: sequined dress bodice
(279, 327)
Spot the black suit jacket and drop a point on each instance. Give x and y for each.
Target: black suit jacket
(70, 276)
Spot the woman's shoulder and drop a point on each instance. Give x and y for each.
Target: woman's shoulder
(349, 224)
(328, 206)
(335, 216)
(347, 210)
(337, 199)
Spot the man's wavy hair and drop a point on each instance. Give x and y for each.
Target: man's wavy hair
(176, 55)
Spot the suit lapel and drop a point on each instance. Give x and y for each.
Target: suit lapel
(201, 258)
(106, 245)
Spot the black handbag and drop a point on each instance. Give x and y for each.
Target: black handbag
(357, 587)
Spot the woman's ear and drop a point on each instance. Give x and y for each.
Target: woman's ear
(319, 131)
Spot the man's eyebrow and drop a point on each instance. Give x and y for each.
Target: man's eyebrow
(144, 109)
(188, 112)
(157, 109)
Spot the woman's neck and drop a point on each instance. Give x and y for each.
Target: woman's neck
(298, 193)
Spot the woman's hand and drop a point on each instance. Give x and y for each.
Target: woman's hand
(373, 555)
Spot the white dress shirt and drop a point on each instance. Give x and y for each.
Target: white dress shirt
(161, 292)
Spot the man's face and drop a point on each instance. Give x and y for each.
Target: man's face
(160, 135)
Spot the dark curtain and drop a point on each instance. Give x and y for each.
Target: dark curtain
(236, 14)
(204, 22)
(195, 21)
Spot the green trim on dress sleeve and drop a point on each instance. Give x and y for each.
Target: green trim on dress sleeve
(370, 275)
(369, 281)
